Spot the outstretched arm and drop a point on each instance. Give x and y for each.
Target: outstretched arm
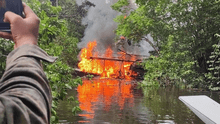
(25, 95)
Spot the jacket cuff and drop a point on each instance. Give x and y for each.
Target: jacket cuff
(29, 51)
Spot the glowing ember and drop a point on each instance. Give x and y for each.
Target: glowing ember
(108, 67)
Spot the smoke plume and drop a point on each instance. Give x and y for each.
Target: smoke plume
(100, 24)
(101, 27)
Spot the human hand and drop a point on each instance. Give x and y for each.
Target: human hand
(23, 30)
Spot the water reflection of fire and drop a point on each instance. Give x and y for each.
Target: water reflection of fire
(107, 67)
(105, 91)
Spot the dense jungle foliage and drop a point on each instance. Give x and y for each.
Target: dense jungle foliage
(186, 34)
(58, 36)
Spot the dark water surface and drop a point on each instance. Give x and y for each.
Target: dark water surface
(110, 101)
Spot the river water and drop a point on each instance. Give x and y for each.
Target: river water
(111, 101)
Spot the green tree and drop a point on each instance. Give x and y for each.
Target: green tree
(213, 74)
(73, 15)
(183, 31)
(6, 46)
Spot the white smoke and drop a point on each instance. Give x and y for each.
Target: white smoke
(101, 27)
(100, 24)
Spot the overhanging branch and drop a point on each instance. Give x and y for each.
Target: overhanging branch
(152, 45)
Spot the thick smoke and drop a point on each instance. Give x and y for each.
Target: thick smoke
(101, 26)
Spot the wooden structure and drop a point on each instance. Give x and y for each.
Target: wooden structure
(113, 59)
(122, 69)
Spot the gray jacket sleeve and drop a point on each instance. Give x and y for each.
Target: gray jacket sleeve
(25, 95)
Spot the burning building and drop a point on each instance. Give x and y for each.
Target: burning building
(99, 54)
(108, 65)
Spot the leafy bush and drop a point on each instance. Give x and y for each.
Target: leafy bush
(165, 70)
(6, 46)
(213, 76)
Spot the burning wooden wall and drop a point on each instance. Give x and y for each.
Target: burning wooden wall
(106, 65)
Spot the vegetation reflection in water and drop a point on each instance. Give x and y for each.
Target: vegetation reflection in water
(166, 106)
(117, 101)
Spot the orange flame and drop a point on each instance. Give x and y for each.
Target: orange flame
(107, 68)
